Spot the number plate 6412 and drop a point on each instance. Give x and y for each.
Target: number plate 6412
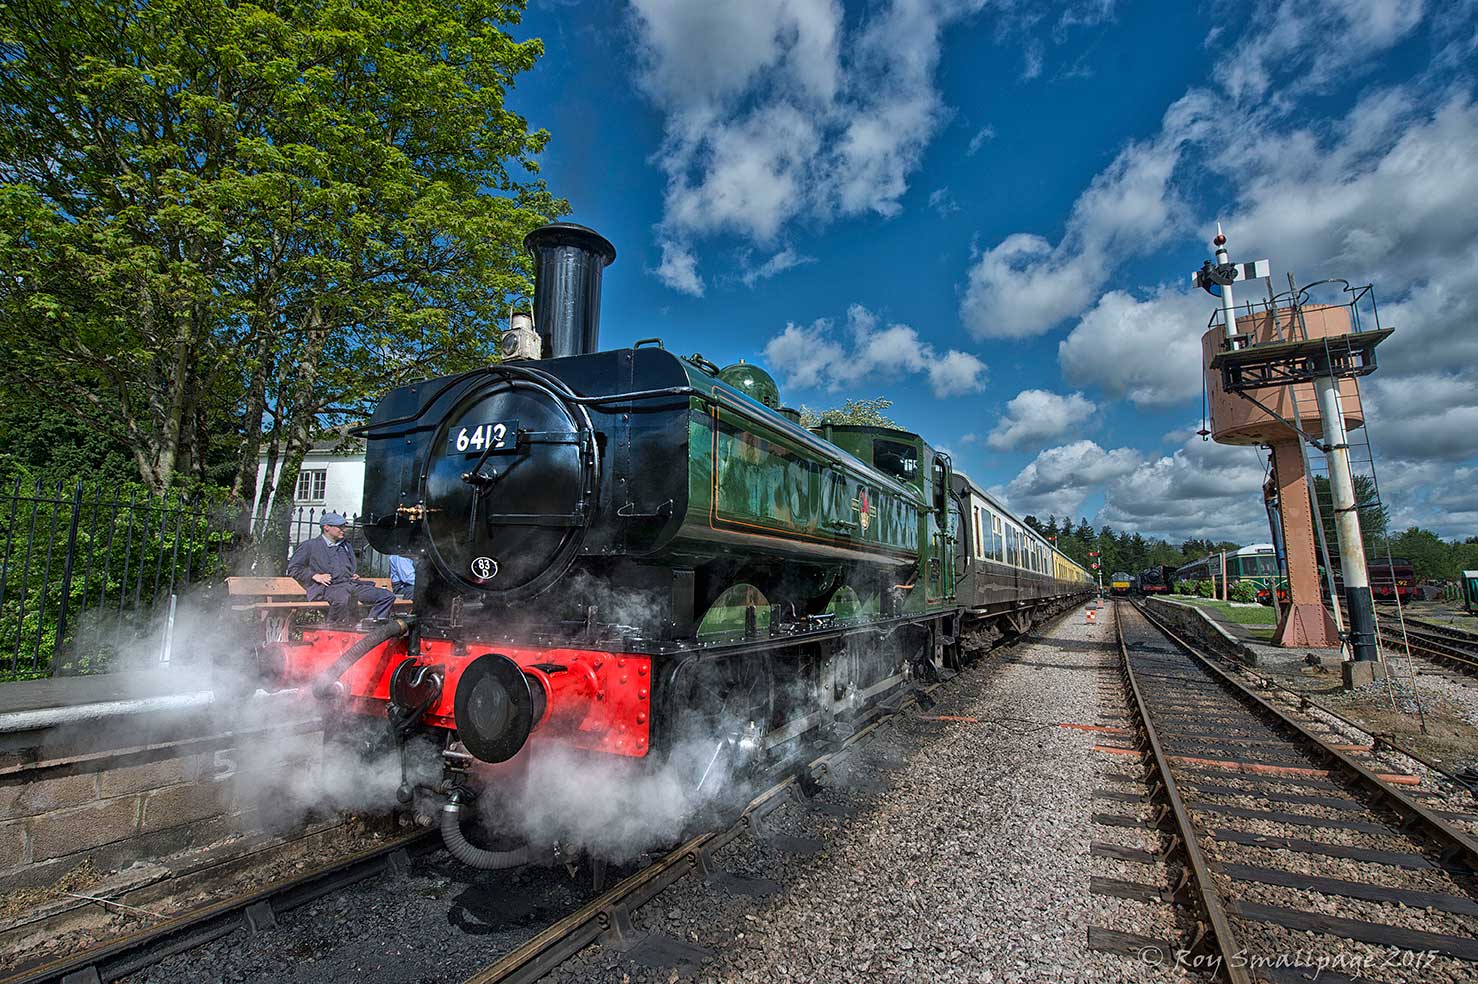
(477, 438)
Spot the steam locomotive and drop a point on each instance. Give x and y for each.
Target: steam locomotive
(620, 551)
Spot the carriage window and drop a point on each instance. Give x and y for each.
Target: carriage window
(979, 552)
(895, 458)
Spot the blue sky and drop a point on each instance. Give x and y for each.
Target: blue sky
(988, 212)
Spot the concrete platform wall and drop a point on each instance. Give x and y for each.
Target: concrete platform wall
(1198, 627)
(134, 787)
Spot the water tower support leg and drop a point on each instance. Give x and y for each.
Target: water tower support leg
(1304, 622)
(1347, 523)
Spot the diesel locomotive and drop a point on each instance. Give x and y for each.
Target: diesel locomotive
(624, 552)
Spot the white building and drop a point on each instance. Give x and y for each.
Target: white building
(331, 480)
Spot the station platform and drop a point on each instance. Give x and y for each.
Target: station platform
(1243, 632)
(102, 688)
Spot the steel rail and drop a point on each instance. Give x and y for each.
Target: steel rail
(1455, 842)
(1224, 938)
(126, 955)
(1443, 649)
(1438, 643)
(609, 916)
(1305, 702)
(1446, 631)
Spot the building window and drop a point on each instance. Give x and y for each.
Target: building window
(312, 484)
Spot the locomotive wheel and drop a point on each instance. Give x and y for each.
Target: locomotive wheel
(725, 705)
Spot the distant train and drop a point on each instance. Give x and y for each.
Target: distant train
(1256, 564)
(1121, 583)
(1156, 580)
(1390, 580)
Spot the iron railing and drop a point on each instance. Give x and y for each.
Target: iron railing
(87, 572)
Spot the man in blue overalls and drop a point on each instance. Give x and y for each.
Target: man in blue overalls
(327, 569)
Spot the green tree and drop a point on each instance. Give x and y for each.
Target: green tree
(1108, 548)
(1162, 553)
(861, 413)
(1137, 553)
(1465, 556)
(41, 442)
(1431, 558)
(263, 215)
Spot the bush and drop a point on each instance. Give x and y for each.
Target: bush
(1184, 587)
(1205, 589)
(1243, 591)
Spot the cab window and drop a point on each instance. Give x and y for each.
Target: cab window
(897, 459)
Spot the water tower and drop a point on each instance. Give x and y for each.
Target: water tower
(1279, 372)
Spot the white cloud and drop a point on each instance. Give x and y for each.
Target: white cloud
(1088, 13)
(981, 136)
(1426, 416)
(1058, 480)
(679, 269)
(786, 259)
(1389, 187)
(776, 109)
(1025, 285)
(941, 201)
(702, 55)
(1034, 416)
(1031, 61)
(803, 357)
(955, 372)
(1148, 351)
(755, 175)
(1312, 45)
(1203, 489)
(1431, 494)
(810, 356)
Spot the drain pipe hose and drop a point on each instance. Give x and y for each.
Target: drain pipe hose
(327, 684)
(473, 856)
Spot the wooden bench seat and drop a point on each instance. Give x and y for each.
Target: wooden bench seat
(276, 598)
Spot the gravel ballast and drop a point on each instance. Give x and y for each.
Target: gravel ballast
(972, 865)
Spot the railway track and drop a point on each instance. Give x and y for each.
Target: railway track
(1297, 857)
(1448, 647)
(255, 911)
(607, 919)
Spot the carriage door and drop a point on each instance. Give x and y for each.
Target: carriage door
(941, 541)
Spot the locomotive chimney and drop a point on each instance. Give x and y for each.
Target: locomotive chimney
(569, 260)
